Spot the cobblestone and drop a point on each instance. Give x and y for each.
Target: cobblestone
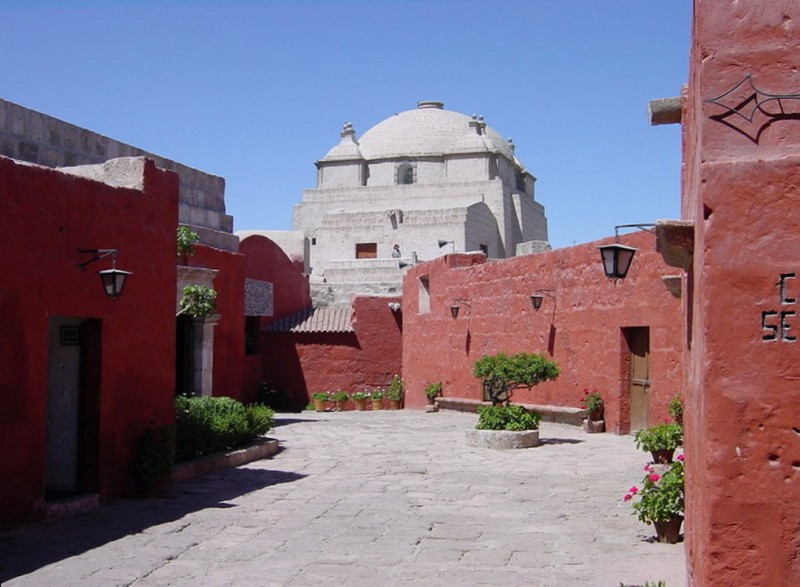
(366, 498)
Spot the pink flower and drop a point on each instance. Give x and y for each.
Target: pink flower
(648, 468)
(627, 497)
(680, 458)
(654, 477)
(633, 490)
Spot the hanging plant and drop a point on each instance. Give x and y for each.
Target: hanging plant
(198, 301)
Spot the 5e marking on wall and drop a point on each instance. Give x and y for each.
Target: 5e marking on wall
(775, 324)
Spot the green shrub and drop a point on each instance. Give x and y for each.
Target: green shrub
(198, 301)
(395, 390)
(211, 424)
(186, 239)
(511, 417)
(433, 390)
(501, 373)
(659, 437)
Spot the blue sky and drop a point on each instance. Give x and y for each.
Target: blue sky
(256, 91)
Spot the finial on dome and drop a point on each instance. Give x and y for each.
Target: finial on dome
(430, 104)
(511, 143)
(347, 129)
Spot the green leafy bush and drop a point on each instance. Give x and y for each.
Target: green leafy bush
(675, 408)
(511, 417)
(376, 394)
(501, 373)
(433, 390)
(198, 301)
(359, 395)
(339, 396)
(395, 389)
(205, 425)
(659, 437)
(186, 239)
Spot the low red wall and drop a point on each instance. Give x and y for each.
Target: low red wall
(46, 216)
(582, 330)
(367, 358)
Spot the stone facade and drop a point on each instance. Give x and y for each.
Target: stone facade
(27, 135)
(417, 178)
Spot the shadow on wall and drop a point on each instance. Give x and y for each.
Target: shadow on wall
(28, 548)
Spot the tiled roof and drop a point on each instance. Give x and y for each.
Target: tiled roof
(328, 319)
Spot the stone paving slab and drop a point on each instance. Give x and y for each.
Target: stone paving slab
(366, 498)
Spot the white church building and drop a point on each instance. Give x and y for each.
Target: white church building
(422, 183)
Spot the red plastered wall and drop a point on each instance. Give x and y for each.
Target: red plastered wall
(581, 330)
(46, 216)
(368, 357)
(740, 187)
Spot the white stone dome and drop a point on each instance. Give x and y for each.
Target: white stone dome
(430, 130)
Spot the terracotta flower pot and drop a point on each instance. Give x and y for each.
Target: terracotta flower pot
(340, 405)
(377, 404)
(320, 405)
(394, 404)
(669, 532)
(361, 404)
(662, 457)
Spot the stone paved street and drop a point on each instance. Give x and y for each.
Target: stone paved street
(370, 498)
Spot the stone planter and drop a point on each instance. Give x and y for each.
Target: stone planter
(503, 439)
(594, 426)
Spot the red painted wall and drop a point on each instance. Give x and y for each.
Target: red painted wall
(229, 361)
(45, 217)
(266, 261)
(366, 358)
(581, 330)
(740, 188)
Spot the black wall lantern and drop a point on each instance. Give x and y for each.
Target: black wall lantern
(113, 279)
(538, 296)
(617, 258)
(455, 307)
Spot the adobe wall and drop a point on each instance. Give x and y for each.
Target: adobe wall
(582, 330)
(46, 216)
(740, 187)
(368, 357)
(265, 261)
(35, 137)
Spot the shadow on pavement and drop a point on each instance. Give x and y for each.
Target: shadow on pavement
(25, 549)
(281, 421)
(560, 441)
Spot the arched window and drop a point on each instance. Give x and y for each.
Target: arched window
(405, 174)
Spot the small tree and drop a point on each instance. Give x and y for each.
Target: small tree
(502, 374)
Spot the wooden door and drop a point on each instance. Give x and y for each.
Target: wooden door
(639, 343)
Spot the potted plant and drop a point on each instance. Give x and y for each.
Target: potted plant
(592, 402)
(186, 239)
(660, 441)
(395, 393)
(432, 391)
(320, 400)
(507, 426)
(340, 399)
(377, 399)
(501, 373)
(155, 458)
(660, 501)
(675, 409)
(360, 399)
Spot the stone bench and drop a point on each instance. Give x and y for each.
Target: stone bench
(559, 414)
